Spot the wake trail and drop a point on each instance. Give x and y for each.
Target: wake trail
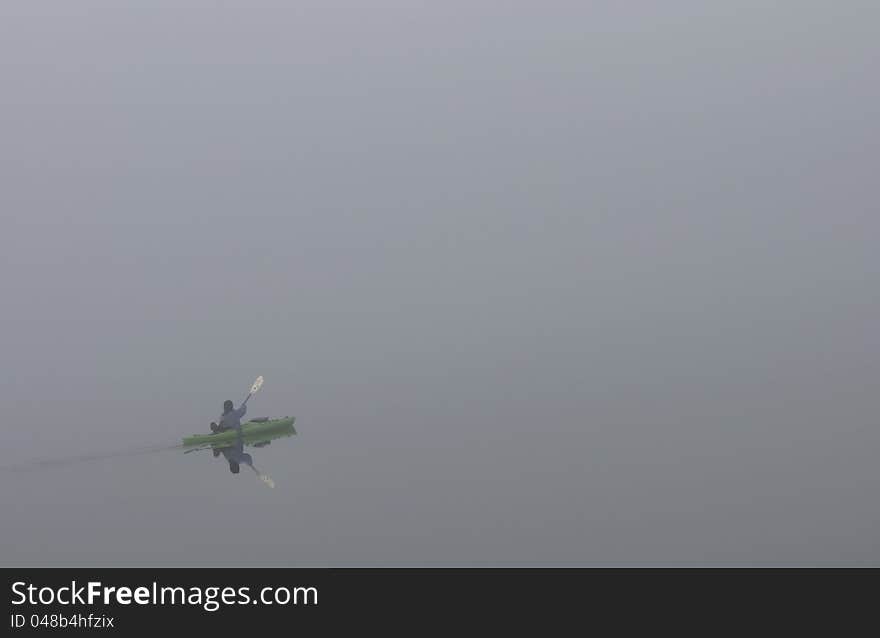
(40, 464)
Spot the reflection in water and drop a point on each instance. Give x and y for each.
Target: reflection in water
(234, 454)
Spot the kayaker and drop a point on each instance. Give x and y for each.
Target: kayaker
(231, 418)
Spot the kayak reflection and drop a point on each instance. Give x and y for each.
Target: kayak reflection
(232, 448)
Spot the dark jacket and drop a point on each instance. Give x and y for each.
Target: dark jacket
(232, 419)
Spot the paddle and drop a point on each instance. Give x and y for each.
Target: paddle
(263, 477)
(254, 388)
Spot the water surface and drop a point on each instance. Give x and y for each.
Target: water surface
(543, 283)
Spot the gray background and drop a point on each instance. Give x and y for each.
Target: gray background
(587, 283)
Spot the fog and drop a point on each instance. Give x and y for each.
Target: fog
(556, 283)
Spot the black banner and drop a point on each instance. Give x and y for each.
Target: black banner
(247, 600)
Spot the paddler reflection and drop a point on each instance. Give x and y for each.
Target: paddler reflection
(236, 457)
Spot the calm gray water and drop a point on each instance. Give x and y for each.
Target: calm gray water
(544, 283)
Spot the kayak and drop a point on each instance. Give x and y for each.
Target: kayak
(252, 430)
(249, 431)
(253, 439)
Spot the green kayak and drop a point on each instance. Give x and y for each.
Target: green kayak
(249, 431)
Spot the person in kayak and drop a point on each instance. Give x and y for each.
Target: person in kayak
(231, 418)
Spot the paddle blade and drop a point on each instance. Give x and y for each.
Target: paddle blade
(268, 481)
(257, 384)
